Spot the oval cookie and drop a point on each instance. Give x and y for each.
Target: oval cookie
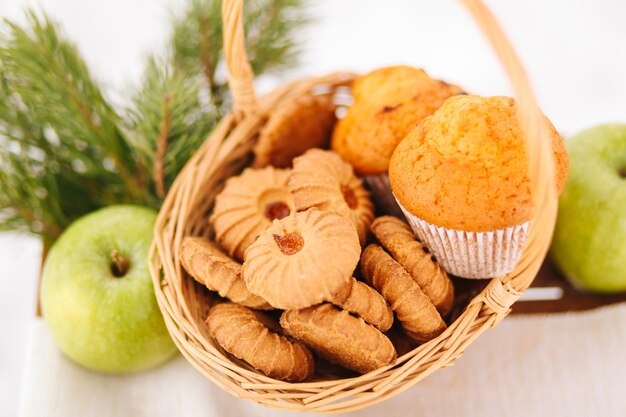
(416, 313)
(364, 301)
(305, 123)
(339, 337)
(398, 238)
(208, 265)
(249, 335)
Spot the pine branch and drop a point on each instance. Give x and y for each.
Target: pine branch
(269, 25)
(53, 82)
(167, 122)
(197, 39)
(65, 151)
(190, 88)
(161, 147)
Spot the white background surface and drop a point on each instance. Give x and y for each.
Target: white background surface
(574, 50)
(537, 366)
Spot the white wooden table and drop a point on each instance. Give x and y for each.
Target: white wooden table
(574, 51)
(562, 365)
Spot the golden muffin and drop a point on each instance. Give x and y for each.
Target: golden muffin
(388, 103)
(461, 178)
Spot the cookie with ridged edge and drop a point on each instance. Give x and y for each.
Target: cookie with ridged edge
(341, 338)
(388, 103)
(364, 301)
(254, 337)
(209, 265)
(398, 239)
(323, 180)
(415, 312)
(305, 123)
(303, 259)
(247, 205)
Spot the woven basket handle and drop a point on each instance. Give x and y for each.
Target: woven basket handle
(240, 76)
(503, 293)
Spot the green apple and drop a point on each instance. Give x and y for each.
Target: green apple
(97, 294)
(590, 237)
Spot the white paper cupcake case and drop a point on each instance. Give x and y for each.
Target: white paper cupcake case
(472, 254)
(381, 193)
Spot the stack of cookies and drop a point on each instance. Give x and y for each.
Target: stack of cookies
(306, 272)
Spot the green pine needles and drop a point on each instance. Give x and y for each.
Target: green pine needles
(65, 150)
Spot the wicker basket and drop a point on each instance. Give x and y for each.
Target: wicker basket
(227, 151)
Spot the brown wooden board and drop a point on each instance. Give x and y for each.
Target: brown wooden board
(572, 299)
(549, 282)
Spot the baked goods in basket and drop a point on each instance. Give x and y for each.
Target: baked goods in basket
(209, 265)
(461, 178)
(339, 337)
(321, 179)
(254, 337)
(398, 239)
(303, 259)
(303, 124)
(416, 313)
(187, 200)
(247, 205)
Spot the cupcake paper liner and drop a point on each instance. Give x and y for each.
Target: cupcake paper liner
(381, 193)
(471, 254)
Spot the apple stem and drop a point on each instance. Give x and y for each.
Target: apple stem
(120, 264)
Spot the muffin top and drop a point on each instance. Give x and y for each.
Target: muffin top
(388, 103)
(466, 166)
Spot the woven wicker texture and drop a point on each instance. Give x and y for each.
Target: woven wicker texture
(227, 150)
